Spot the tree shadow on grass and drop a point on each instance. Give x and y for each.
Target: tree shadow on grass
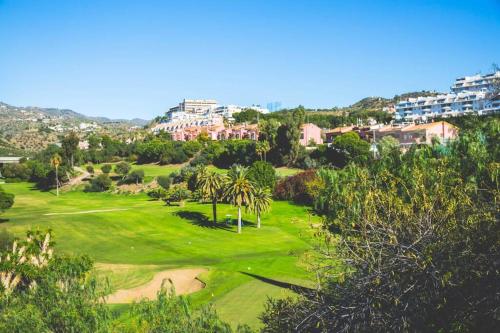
(201, 220)
(2, 220)
(41, 189)
(290, 286)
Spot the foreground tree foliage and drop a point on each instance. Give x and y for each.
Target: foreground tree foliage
(173, 314)
(41, 291)
(410, 244)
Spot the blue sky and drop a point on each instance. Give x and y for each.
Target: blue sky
(137, 58)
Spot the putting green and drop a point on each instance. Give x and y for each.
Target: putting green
(150, 237)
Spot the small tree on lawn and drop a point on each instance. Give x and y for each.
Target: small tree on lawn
(122, 169)
(164, 181)
(261, 202)
(136, 176)
(239, 189)
(106, 168)
(211, 186)
(55, 161)
(100, 183)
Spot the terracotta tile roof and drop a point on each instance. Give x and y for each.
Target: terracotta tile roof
(426, 126)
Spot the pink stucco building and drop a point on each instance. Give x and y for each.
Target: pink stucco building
(310, 133)
(217, 132)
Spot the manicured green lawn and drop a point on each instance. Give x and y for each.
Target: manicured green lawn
(285, 171)
(149, 237)
(154, 170)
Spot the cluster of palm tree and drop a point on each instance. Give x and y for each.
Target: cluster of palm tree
(235, 188)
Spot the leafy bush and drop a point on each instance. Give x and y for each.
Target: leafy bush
(164, 181)
(123, 168)
(171, 314)
(18, 171)
(294, 187)
(177, 193)
(191, 147)
(348, 147)
(136, 176)
(263, 174)
(132, 158)
(100, 183)
(90, 169)
(49, 293)
(240, 152)
(6, 200)
(106, 168)
(157, 193)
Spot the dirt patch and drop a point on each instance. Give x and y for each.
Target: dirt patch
(136, 188)
(185, 281)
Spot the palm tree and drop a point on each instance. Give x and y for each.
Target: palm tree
(211, 185)
(239, 189)
(261, 148)
(55, 161)
(261, 202)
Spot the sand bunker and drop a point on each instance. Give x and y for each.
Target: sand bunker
(185, 281)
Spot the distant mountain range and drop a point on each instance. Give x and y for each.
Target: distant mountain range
(66, 114)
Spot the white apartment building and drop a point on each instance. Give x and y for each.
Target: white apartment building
(195, 106)
(470, 95)
(227, 111)
(475, 83)
(200, 112)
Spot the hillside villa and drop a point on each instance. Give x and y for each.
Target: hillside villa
(310, 133)
(419, 134)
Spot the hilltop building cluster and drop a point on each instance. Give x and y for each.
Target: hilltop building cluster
(194, 116)
(476, 94)
(203, 112)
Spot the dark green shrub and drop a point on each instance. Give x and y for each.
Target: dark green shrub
(100, 183)
(123, 168)
(90, 169)
(164, 181)
(106, 168)
(136, 176)
(19, 171)
(263, 174)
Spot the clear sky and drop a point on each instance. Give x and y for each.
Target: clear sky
(137, 58)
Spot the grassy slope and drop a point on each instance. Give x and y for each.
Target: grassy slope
(149, 233)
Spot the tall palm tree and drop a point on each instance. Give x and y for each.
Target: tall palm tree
(261, 202)
(55, 161)
(211, 185)
(239, 189)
